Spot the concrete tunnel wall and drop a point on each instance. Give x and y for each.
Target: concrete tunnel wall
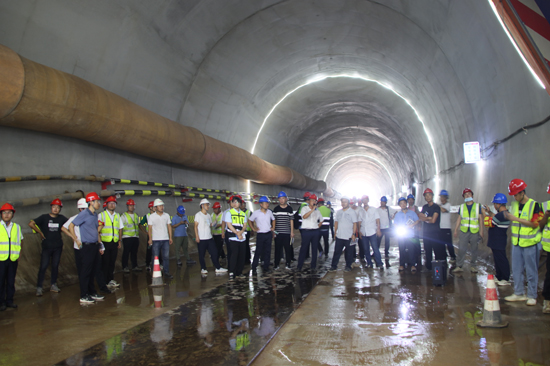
(223, 68)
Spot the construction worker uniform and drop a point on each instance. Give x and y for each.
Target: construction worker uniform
(130, 239)
(248, 234)
(237, 219)
(546, 246)
(469, 232)
(149, 250)
(10, 248)
(109, 235)
(326, 213)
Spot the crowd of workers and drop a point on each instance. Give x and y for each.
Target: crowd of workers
(98, 235)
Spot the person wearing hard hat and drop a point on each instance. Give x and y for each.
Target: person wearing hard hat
(386, 216)
(445, 225)
(217, 223)
(332, 213)
(144, 229)
(284, 230)
(345, 224)
(498, 238)
(110, 233)
(262, 222)
(405, 222)
(180, 223)
(10, 249)
(369, 228)
(249, 232)
(203, 236)
(470, 220)
(88, 243)
(160, 235)
(544, 225)
(327, 216)
(130, 236)
(525, 215)
(431, 232)
(49, 227)
(236, 223)
(311, 223)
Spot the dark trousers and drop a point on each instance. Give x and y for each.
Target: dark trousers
(8, 269)
(409, 251)
(386, 235)
(238, 255)
(98, 275)
(248, 256)
(55, 255)
(130, 249)
(502, 266)
(340, 245)
(371, 241)
(282, 241)
(309, 238)
(149, 256)
(219, 246)
(210, 246)
(108, 260)
(89, 253)
(546, 286)
(226, 240)
(263, 250)
(324, 235)
(438, 248)
(447, 239)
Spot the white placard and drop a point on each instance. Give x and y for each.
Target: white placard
(472, 152)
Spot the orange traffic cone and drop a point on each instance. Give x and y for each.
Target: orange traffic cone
(157, 274)
(491, 310)
(157, 297)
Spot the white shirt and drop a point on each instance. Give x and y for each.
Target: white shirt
(159, 225)
(76, 230)
(312, 222)
(262, 220)
(445, 220)
(345, 220)
(8, 228)
(368, 220)
(384, 219)
(205, 224)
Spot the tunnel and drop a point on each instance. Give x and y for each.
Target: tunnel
(339, 98)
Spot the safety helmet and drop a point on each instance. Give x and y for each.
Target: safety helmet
(92, 197)
(444, 193)
(306, 195)
(151, 204)
(104, 205)
(237, 197)
(516, 186)
(204, 201)
(57, 201)
(158, 202)
(500, 198)
(282, 194)
(364, 196)
(345, 198)
(130, 202)
(384, 199)
(81, 203)
(264, 199)
(402, 199)
(312, 197)
(466, 190)
(410, 196)
(321, 199)
(548, 190)
(329, 203)
(111, 199)
(181, 210)
(427, 190)
(217, 205)
(7, 207)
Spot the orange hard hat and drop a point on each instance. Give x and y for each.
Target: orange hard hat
(111, 199)
(130, 202)
(56, 201)
(516, 186)
(92, 197)
(7, 207)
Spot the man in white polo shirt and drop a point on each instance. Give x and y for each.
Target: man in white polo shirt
(369, 218)
(311, 222)
(345, 225)
(263, 223)
(203, 236)
(160, 235)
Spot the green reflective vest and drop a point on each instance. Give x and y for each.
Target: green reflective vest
(10, 246)
(131, 228)
(238, 218)
(216, 219)
(247, 214)
(110, 231)
(522, 235)
(469, 219)
(325, 212)
(546, 231)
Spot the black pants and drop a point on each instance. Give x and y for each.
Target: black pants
(226, 240)
(8, 269)
(89, 254)
(148, 255)
(282, 241)
(219, 246)
(502, 266)
(130, 249)
(324, 235)
(386, 234)
(108, 260)
(248, 255)
(55, 255)
(309, 238)
(438, 248)
(97, 272)
(340, 245)
(210, 246)
(238, 255)
(546, 286)
(447, 239)
(263, 250)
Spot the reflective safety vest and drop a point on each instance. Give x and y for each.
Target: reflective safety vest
(10, 246)
(521, 234)
(325, 211)
(110, 231)
(546, 231)
(238, 218)
(216, 219)
(469, 219)
(247, 214)
(131, 228)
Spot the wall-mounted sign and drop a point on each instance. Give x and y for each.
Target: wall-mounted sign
(472, 153)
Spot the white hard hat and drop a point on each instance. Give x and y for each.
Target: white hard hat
(345, 198)
(158, 202)
(204, 200)
(82, 203)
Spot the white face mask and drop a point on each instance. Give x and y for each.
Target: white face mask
(469, 199)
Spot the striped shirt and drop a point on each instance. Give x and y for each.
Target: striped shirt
(282, 219)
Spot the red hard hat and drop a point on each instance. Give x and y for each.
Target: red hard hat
(241, 197)
(312, 197)
(548, 191)
(516, 186)
(364, 196)
(428, 190)
(151, 204)
(217, 205)
(56, 201)
(466, 190)
(6, 207)
(130, 202)
(111, 199)
(321, 199)
(104, 204)
(92, 197)
(307, 194)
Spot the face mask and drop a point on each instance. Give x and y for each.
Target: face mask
(469, 199)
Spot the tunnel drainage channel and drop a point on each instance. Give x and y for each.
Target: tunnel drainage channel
(228, 325)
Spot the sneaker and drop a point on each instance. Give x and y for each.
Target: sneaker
(161, 268)
(503, 283)
(148, 268)
(347, 269)
(452, 260)
(473, 269)
(87, 300)
(546, 307)
(39, 291)
(515, 297)
(531, 302)
(126, 270)
(288, 268)
(355, 265)
(168, 275)
(190, 261)
(54, 288)
(97, 297)
(180, 264)
(113, 283)
(221, 270)
(458, 269)
(204, 271)
(332, 269)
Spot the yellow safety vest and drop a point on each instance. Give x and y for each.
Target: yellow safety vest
(546, 232)
(218, 220)
(110, 231)
(521, 234)
(238, 218)
(247, 215)
(10, 246)
(131, 228)
(469, 220)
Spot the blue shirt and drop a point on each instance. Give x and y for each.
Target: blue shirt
(400, 221)
(87, 222)
(180, 230)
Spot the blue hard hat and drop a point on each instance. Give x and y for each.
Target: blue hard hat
(384, 199)
(410, 196)
(264, 199)
(181, 210)
(444, 193)
(401, 199)
(329, 203)
(282, 194)
(500, 198)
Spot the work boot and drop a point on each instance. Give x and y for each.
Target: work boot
(39, 291)
(546, 307)
(54, 288)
